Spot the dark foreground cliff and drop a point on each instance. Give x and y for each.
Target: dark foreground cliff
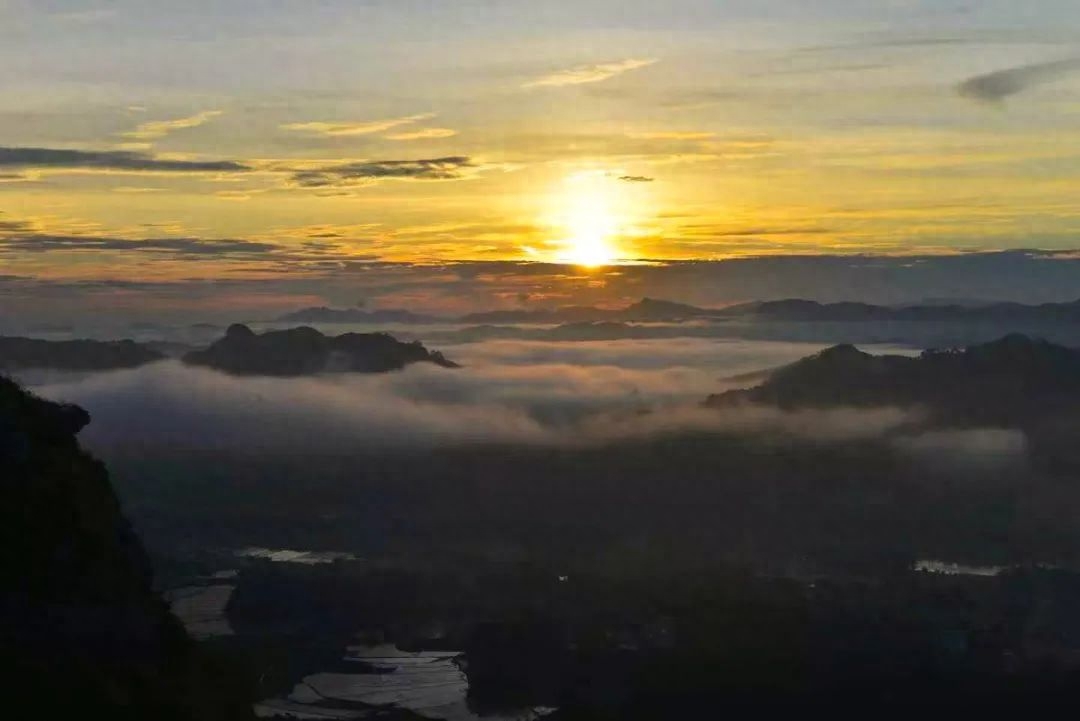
(82, 634)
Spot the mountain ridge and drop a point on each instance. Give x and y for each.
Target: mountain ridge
(18, 353)
(1013, 381)
(306, 351)
(655, 309)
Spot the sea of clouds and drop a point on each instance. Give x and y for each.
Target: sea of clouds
(508, 392)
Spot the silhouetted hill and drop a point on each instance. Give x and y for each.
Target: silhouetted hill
(74, 355)
(786, 310)
(566, 314)
(356, 315)
(1010, 382)
(811, 311)
(646, 309)
(662, 310)
(305, 351)
(82, 634)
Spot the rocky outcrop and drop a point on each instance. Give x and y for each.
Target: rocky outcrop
(82, 633)
(306, 351)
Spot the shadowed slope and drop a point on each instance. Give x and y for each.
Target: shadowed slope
(81, 631)
(306, 351)
(1014, 381)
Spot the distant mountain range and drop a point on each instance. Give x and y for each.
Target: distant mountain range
(806, 310)
(655, 310)
(933, 324)
(305, 351)
(927, 325)
(323, 314)
(647, 309)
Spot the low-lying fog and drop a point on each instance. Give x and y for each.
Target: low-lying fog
(508, 392)
(602, 440)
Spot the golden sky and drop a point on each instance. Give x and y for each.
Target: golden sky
(208, 140)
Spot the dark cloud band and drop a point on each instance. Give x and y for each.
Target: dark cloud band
(57, 158)
(453, 167)
(37, 242)
(1003, 83)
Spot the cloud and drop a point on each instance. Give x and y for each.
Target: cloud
(672, 135)
(40, 243)
(710, 359)
(1004, 83)
(93, 15)
(423, 134)
(137, 190)
(356, 128)
(978, 447)
(453, 167)
(157, 129)
(22, 240)
(585, 74)
(169, 406)
(636, 179)
(821, 426)
(117, 160)
(14, 226)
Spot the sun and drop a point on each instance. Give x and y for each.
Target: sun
(591, 238)
(588, 219)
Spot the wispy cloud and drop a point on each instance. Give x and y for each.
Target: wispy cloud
(1011, 81)
(584, 74)
(24, 239)
(203, 247)
(636, 179)
(118, 160)
(14, 178)
(157, 129)
(93, 15)
(672, 135)
(137, 190)
(453, 167)
(8, 225)
(423, 134)
(367, 127)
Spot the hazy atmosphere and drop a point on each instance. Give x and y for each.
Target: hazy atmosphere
(263, 154)
(503, 359)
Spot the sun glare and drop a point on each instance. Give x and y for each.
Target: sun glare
(588, 220)
(590, 241)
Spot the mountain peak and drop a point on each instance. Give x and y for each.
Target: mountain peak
(842, 351)
(239, 330)
(305, 351)
(1010, 381)
(658, 309)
